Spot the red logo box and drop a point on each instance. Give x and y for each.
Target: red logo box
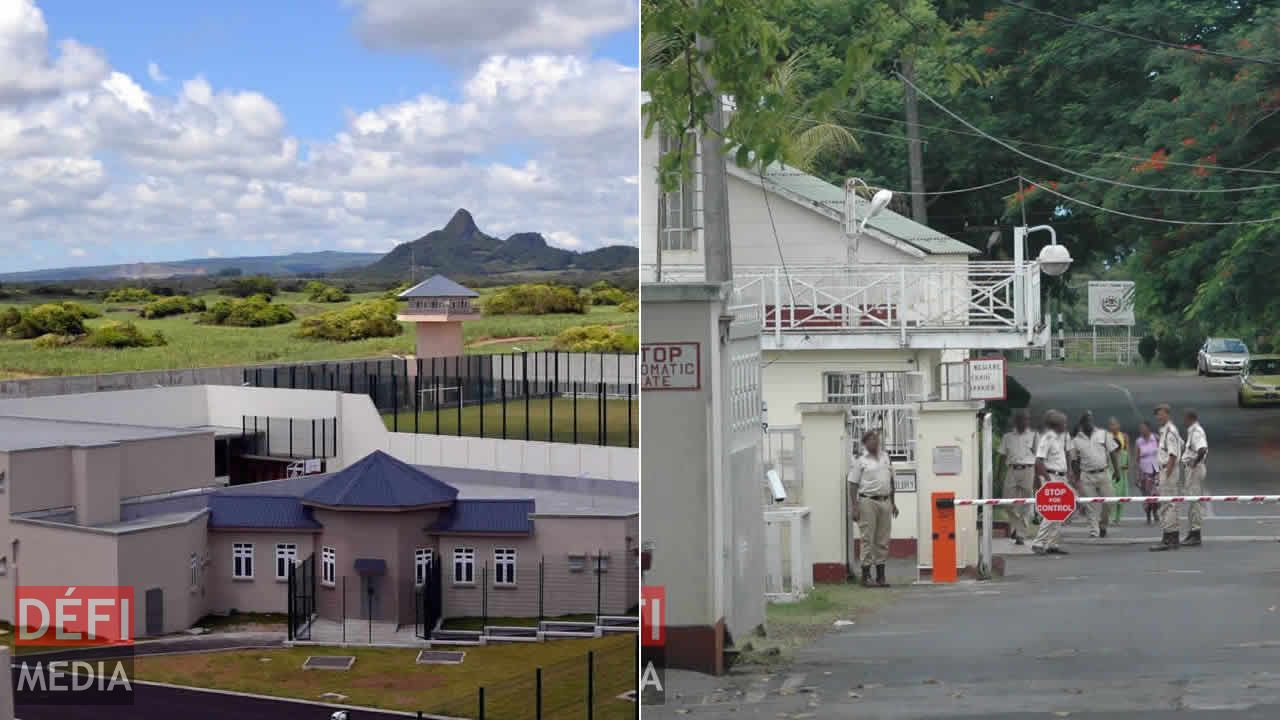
(653, 615)
(52, 616)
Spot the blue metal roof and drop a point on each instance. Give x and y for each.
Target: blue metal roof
(438, 286)
(260, 512)
(486, 516)
(381, 481)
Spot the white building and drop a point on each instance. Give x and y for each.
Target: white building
(855, 334)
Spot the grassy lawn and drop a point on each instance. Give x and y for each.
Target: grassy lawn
(194, 345)
(389, 678)
(478, 623)
(789, 626)
(549, 419)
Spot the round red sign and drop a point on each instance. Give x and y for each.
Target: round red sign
(1055, 501)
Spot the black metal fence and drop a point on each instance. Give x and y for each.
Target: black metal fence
(601, 685)
(581, 398)
(302, 598)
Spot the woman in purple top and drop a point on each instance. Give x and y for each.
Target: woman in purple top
(1148, 443)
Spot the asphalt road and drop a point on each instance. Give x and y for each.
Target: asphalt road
(1110, 631)
(162, 703)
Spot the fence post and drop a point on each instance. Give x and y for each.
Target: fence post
(629, 431)
(481, 699)
(600, 413)
(435, 380)
(417, 397)
(484, 595)
(537, 682)
(541, 587)
(502, 385)
(575, 412)
(480, 384)
(344, 609)
(599, 580)
(524, 358)
(290, 603)
(591, 682)
(395, 402)
(461, 384)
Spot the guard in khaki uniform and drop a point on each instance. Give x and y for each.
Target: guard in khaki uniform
(1168, 450)
(1193, 472)
(1090, 453)
(1051, 464)
(871, 494)
(1018, 472)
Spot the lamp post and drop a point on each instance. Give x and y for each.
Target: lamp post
(1054, 260)
(852, 226)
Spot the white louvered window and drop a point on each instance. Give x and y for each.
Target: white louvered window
(464, 566)
(328, 566)
(242, 561)
(422, 558)
(504, 566)
(286, 556)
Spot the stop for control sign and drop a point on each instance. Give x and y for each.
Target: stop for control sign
(1055, 501)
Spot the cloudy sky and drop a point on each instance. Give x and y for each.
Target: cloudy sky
(150, 130)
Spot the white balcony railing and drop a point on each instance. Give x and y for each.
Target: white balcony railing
(883, 298)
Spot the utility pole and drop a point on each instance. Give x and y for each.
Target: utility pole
(715, 190)
(915, 154)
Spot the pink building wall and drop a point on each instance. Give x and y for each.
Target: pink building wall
(439, 339)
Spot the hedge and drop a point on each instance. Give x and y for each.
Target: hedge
(129, 295)
(373, 318)
(176, 305)
(595, 338)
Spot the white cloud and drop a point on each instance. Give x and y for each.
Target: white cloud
(153, 71)
(202, 165)
(566, 240)
(78, 252)
(471, 27)
(213, 253)
(26, 71)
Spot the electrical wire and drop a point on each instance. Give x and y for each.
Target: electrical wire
(1143, 38)
(1080, 151)
(1069, 171)
(1134, 216)
(957, 191)
(764, 192)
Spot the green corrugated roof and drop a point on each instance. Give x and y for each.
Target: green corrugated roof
(831, 197)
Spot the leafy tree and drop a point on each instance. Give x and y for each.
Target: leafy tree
(243, 287)
(324, 293)
(48, 319)
(1147, 349)
(129, 295)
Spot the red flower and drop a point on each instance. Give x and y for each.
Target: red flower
(1157, 161)
(1188, 142)
(990, 50)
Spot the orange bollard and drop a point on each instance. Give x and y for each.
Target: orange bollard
(944, 537)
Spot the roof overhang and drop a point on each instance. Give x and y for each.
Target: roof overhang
(375, 508)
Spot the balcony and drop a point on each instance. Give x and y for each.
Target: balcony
(438, 309)
(992, 305)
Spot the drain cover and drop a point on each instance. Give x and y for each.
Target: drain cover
(329, 662)
(440, 657)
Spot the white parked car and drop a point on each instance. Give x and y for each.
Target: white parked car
(1222, 356)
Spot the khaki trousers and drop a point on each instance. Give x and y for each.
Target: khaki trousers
(1096, 484)
(1193, 484)
(1021, 484)
(1167, 484)
(875, 523)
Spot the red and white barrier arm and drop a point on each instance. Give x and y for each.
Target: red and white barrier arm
(963, 502)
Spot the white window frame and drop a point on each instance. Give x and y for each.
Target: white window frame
(676, 221)
(195, 570)
(286, 556)
(600, 564)
(577, 563)
(504, 559)
(422, 558)
(464, 559)
(328, 566)
(242, 561)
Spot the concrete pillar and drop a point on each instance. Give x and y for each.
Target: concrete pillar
(825, 493)
(947, 446)
(702, 495)
(95, 483)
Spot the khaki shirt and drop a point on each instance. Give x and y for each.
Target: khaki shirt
(1170, 445)
(1019, 448)
(1093, 451)
(873, 475)
(1052, 451)
(1196, 441)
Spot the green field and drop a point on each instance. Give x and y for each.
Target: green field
(551, 420)
(193, 345)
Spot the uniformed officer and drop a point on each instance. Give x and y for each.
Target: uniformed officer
(1090, 454)
(1051, 464)
(871, 495)
(1193, 472)
(1168, 452)
(1018, 472)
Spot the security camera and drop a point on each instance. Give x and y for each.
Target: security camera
(775, 486)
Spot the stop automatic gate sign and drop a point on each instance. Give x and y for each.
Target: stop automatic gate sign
(1055, 501)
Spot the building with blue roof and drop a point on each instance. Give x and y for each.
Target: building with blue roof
(437, 307)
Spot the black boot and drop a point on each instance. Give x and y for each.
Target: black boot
(866, 576)
(1193, 538)
(1168, 541)
(880, 581)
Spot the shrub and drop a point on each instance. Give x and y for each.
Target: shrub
(534, 299)
(244, 287)
(50, 318)
(122, 335)
(129, 295)
(81, 311)
(320, 292)
(595, 338)
(394, 292)
(8, 318)
(255, 311)
(1147, 349)
(630, 306)
(176, 305)
(609, 296)
(50, 341)
(373, 318)
(1173, 350)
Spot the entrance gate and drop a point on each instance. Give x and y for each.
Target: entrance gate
(302, 597)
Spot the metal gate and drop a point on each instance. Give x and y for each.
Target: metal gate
(155, 612)
(427, 601)
(302, 597)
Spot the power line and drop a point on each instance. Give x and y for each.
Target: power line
(1148, 218)
(956, 191)
(1143, 38)
(1081, 151)
(764, 192)
(1067, 170)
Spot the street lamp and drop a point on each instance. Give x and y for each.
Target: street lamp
(852, 226)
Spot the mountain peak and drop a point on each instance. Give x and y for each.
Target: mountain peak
(461, 223)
